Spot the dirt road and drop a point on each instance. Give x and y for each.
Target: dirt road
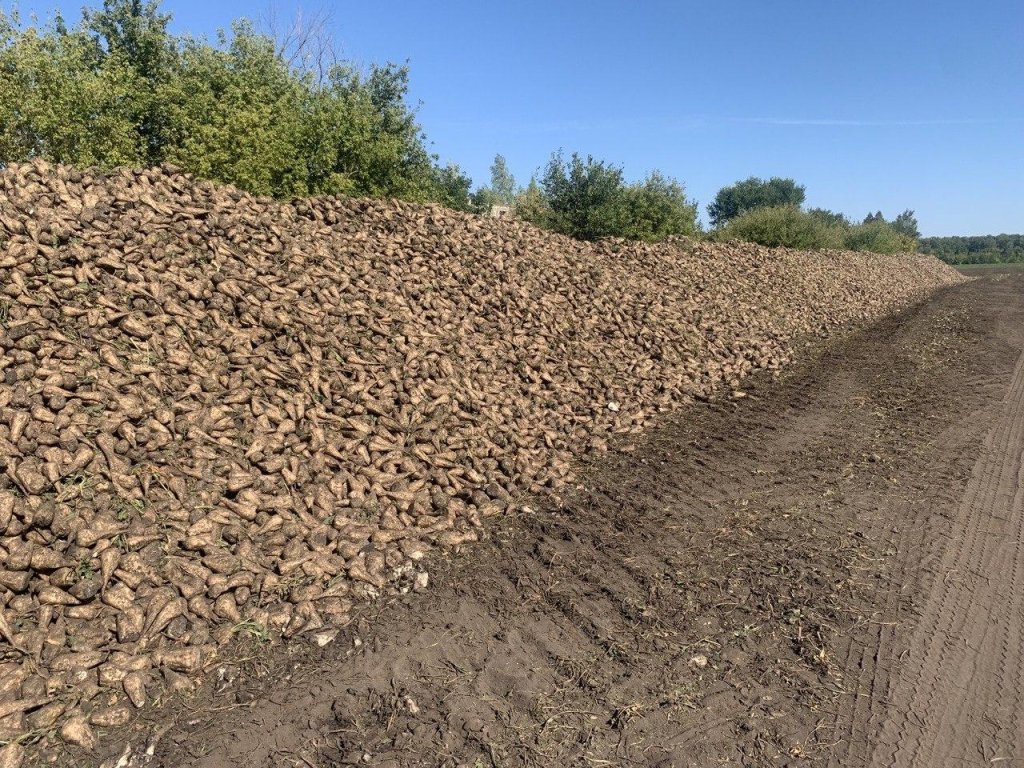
(957, 695)
(828, 571)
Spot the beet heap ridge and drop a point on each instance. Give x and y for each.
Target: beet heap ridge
(223, 414)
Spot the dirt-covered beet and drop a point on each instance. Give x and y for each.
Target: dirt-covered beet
(223, 414)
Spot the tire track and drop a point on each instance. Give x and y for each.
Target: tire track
(902, 524)
(958, 697)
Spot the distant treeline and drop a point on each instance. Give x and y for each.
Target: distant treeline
(979, 249)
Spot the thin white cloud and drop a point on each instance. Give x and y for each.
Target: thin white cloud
(584, 125)
(830, 122)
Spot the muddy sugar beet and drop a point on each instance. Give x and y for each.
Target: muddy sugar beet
(221, 414)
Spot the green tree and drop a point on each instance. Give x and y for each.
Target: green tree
(586, 197)
(658, 208)
(906, 224)
(119, 89)
(380, 148)
(63, 99)
(482, 199)
(826, 216)
(501, 191)
(979, 249)
(134, 33)
(452, 187)
(811, 230)
(237, 115)
(589, 199)
(754, 193)
(531, 205)
(878, 236)
(503, 183)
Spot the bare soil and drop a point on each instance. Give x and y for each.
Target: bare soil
(827, 571)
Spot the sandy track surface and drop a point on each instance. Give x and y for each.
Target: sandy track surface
(826, 572)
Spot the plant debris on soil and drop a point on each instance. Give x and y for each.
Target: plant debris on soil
(227, 416)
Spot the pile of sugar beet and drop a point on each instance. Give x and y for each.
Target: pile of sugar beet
(224, 414)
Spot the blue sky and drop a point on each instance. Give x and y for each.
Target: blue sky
(871, 105)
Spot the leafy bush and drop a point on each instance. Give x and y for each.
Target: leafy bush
(502, 190)
(119, 89)
(832, 218)
(752, 193)
(818, 228)
(56, 100)
(589, 199)
(782, 226)
(452, 187)
(878, 236)
(657, 208)
(586, 198)
(906, 224)
(531, 205)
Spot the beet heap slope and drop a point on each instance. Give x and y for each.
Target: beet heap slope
(223, 413)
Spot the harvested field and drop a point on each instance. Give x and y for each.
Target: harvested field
(228, 417)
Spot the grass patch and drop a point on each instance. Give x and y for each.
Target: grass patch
(253, 629)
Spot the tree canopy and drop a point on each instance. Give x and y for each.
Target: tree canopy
(585, 196)
(791, 227)
(501, 191)
(503, 183)
(119, 89)
(658, 208)
(753, 193)
(589, 199)
(906, 224)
